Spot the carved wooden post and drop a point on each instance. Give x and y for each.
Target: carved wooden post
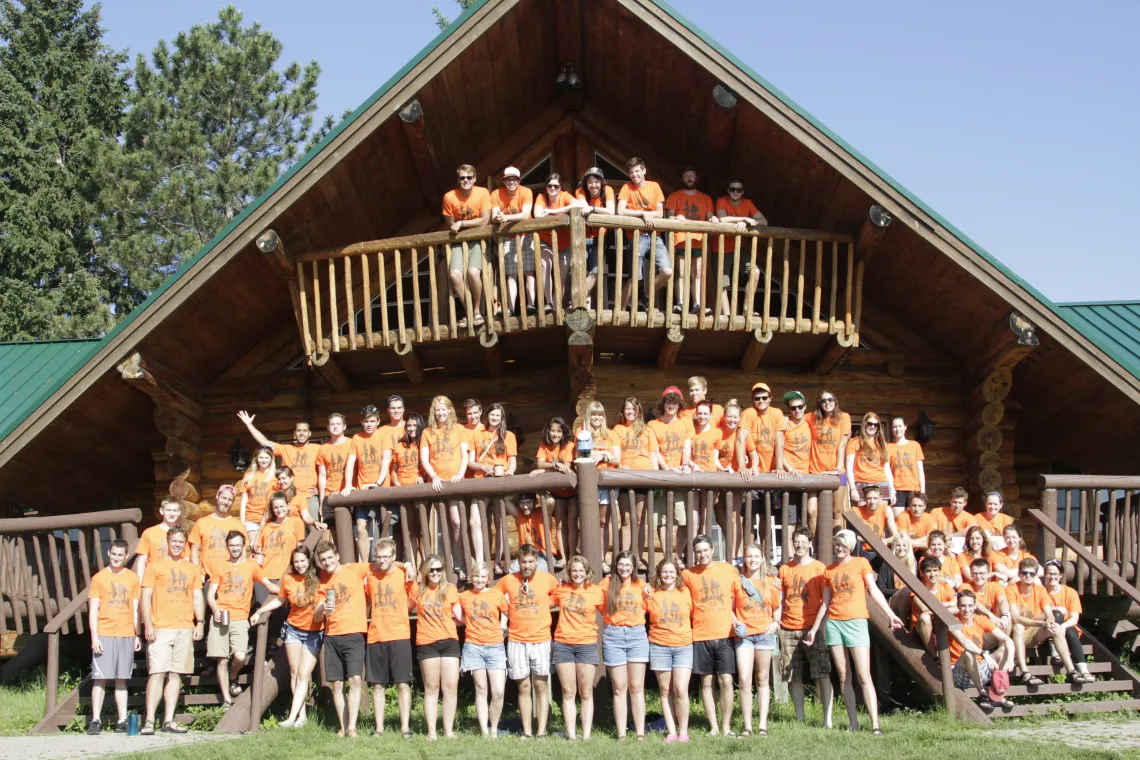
(578, 258)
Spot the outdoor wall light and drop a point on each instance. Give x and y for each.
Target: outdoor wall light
(268, 241)
(724, 97)
(412, 112)
(880, 217)
(239, 456)
(924, 429)
(568, 80)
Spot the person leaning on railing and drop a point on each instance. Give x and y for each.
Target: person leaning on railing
(595, 195)
(555, 201)
(638, 447)
(443, 457)
(830, 432)
(674, 452)
(113, 618)
(513, 203)
(465, 207)
(492, 453)
(691, 205)
(606, 454)
(641, 198)
(734, 208)
(556, 454)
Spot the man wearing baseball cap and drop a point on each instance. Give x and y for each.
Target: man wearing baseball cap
(594, 195)
(208, 536)
(512, 203)
(765, 425)
(674, 434)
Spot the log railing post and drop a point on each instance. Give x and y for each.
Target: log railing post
(824, 519)
(1046, 542)
(589, 518)
(345, 545)
(577, 258)
(52, 676)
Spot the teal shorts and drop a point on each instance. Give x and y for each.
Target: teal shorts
(848, 633)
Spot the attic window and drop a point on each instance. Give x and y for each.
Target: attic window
(535, 179)
(613, 174)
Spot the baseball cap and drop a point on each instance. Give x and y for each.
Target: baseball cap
(671, 389)
(794, 396)
(761, 387)
(511, 171)
(999, 683)
(596, 172)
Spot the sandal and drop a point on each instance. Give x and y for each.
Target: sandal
(351, 733)
(147, 729)
(745, 733)
(174, 728)
(761, 732)
(407, 734)
(985, 703)
(1028, 679)
(877, 732)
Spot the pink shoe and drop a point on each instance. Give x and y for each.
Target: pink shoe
(670, 738)
(683, 738)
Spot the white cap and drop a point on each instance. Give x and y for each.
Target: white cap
(511, 171)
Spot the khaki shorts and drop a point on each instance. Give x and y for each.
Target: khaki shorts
(680, 509)
(793, 652)
(226, 640)
(172, 651)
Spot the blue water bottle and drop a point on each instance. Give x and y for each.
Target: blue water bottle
(585, 444)
(132, 723)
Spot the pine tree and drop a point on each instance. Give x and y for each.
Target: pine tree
(61, 101)
(443, 21)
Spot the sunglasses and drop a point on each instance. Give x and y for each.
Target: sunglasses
(553, 185)
(1028, 573)
(795, 407)
(761, 398)
(827, 400)
(435, 569)
(871, 424)
(465, 178)
(736, 189)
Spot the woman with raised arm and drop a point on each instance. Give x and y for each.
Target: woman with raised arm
(574, 652)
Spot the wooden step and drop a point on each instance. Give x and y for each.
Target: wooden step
(139, 700)
(1049, 670)
(138, 683)
(1068, 708)
(1067, 688)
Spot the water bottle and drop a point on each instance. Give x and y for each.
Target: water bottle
(225, 618)
(585, 444)
(132, 723)
(740, 629)
(330, 595)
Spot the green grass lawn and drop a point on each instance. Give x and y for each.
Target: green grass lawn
(21, 705)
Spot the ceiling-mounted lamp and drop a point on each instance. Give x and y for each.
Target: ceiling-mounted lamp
(239, 456)
(568, 79)
(724, 97)
(412, 112)
(924, 429)
(880, 217)
(268, 241)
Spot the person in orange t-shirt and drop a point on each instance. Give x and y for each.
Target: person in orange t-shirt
(275, 544)
(797, 438)
(915, 522)
(364, 470)
(801, 584)
(484, 655)
(993, 521)
(465, 207)
(905, 457)
(229, 596)
(594, 195)
(555, 201)
(1006, 561)
(513, 203)
(642, 199)
(208, 535)
(830, 432)
(670, 609)
(880, 519)
(970, 654)
(113, 617)
(436, 603)
(955, 516)
(556, 454)
(625, 645)
(299, 456)
(332, 458)
(574, 653)
(173, 615)
(342, 608)
(303, 636)
(921, 617)
(867, 463)
(764, 424)
(734, 208)
(528, 593)
(1066, 614)
(259, 481)
(848, 581)
(152, 544)
(936, 546)
(698, 392)
(443, 457)
(1034, 622)
(638, 447)
(492, 453)
(691, 205)
(298, 502)
(389, 643)
(703, 454)
(674, 451)
(757, 607)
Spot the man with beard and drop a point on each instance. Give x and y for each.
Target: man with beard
(229, 596)
(300, 456)
(528, 635)
(690, 205)
(208, 536)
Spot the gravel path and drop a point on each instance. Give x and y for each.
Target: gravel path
(65, 746)
(1117, 736)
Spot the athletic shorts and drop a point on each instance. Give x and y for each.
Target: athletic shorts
(227, 640)
(525, 660)
(344, 656)
(624, 644)
(848, 633)
(714, 658)
(172, 651)
(438, 649)
(680, 509)
(389, 662)
(577, 654)
(117, 660)
(483, 657)
(794, 652)
(663, 658)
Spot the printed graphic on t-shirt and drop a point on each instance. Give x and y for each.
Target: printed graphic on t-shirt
(711, 593)
(178, 583)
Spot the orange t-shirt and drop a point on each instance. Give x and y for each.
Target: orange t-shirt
(502, 200)
(174, 582)
(942, 592)
(117, 593)
(695, 208)
(235, 586)
(334, 457)
(868, 466)
(445, 451)
(298, 504)
(1065, 598)
(368, 450)
(636, 451)
(578, 613)
(803, 593)
(757, 615)
(152, 543)
(726, 448)
(993, 527)
(826, 435)
(302, 460)
(670, 614)
(848, 582)
(988, 595)
(671, 437)
(435, 613)
(471, 207)
(300, 604)
(606, 196)
(725, 207)
(482, 443)
(762, 429)
(1002, 558)
(1031, 605)
(277, 543)
(388, 593)
(713, 590)
(706, 445)
(644, 198)
(405, 464)
(351, 612)
(209, 535)
(606, 443)
(547, 236)
(916, 528)
(482, 616)
(390, 434)
(258, 486)
(797, 445)
(904, 465)
(531, 529)
(877, 520)
(552, 454)
(715, 419)
(630, 609)
(954, 523)
(950, 567)
(975, 632)
(528, 612)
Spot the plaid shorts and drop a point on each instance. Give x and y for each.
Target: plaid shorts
(794, 651)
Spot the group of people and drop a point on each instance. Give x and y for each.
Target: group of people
(469, 206)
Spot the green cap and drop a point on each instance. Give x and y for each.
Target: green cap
(793, 396)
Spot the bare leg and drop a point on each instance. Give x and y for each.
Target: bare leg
(170, 696)
(664, 679)
(354, 693)
(475, 531)
(861, 657)
(839, 659)
(498, 682)
(681, 698)
(585, 674)
(222, 667)
(449, 682)
(457, 286)
(363, 540)
(525, 705)
(542, 702)
(98, 690)
(154, 684)
(567, 676)
(637, 695)
(827, 695)
(378, 706)
(480, 677)
(709, 703)
(619, 681)
(404, 704)
(726, 700)
(745, 659)
(338, 703)
(763, 691)
(475, 283)
(430, 670)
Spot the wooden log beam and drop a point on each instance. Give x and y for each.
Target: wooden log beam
(432, 179)
(670, 347)
(329, 371)
(164, 386)
(754, 351)
(871, 233)
(491, 354)
(829, 358)
(174, 424)
(406, 353)
(1004, 346)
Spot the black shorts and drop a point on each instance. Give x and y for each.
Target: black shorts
(344, 656)
(902, 498)
(390, 662)
(441, 648)
(714, 658)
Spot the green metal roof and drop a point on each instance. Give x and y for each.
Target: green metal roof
(1113, 325)
(31, 371)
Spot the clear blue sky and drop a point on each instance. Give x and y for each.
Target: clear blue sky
(1017, 121)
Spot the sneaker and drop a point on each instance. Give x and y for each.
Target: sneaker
(94, 727)
(121, 727)
(676, 310)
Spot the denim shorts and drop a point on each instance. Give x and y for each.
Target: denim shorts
(483, 657)
(663, 658)
(311, 640)
(765, 642)
(577, 654)
(623, 644)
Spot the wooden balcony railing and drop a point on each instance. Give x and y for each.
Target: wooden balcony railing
(396, 292)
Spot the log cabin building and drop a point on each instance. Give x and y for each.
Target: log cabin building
(329, 291)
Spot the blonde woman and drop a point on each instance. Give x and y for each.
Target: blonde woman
(443, 457)
(757, 605)
(671, 646)
(437, 608)
(607, 454)
(259, 481)
(868, 463)
(484, 655)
